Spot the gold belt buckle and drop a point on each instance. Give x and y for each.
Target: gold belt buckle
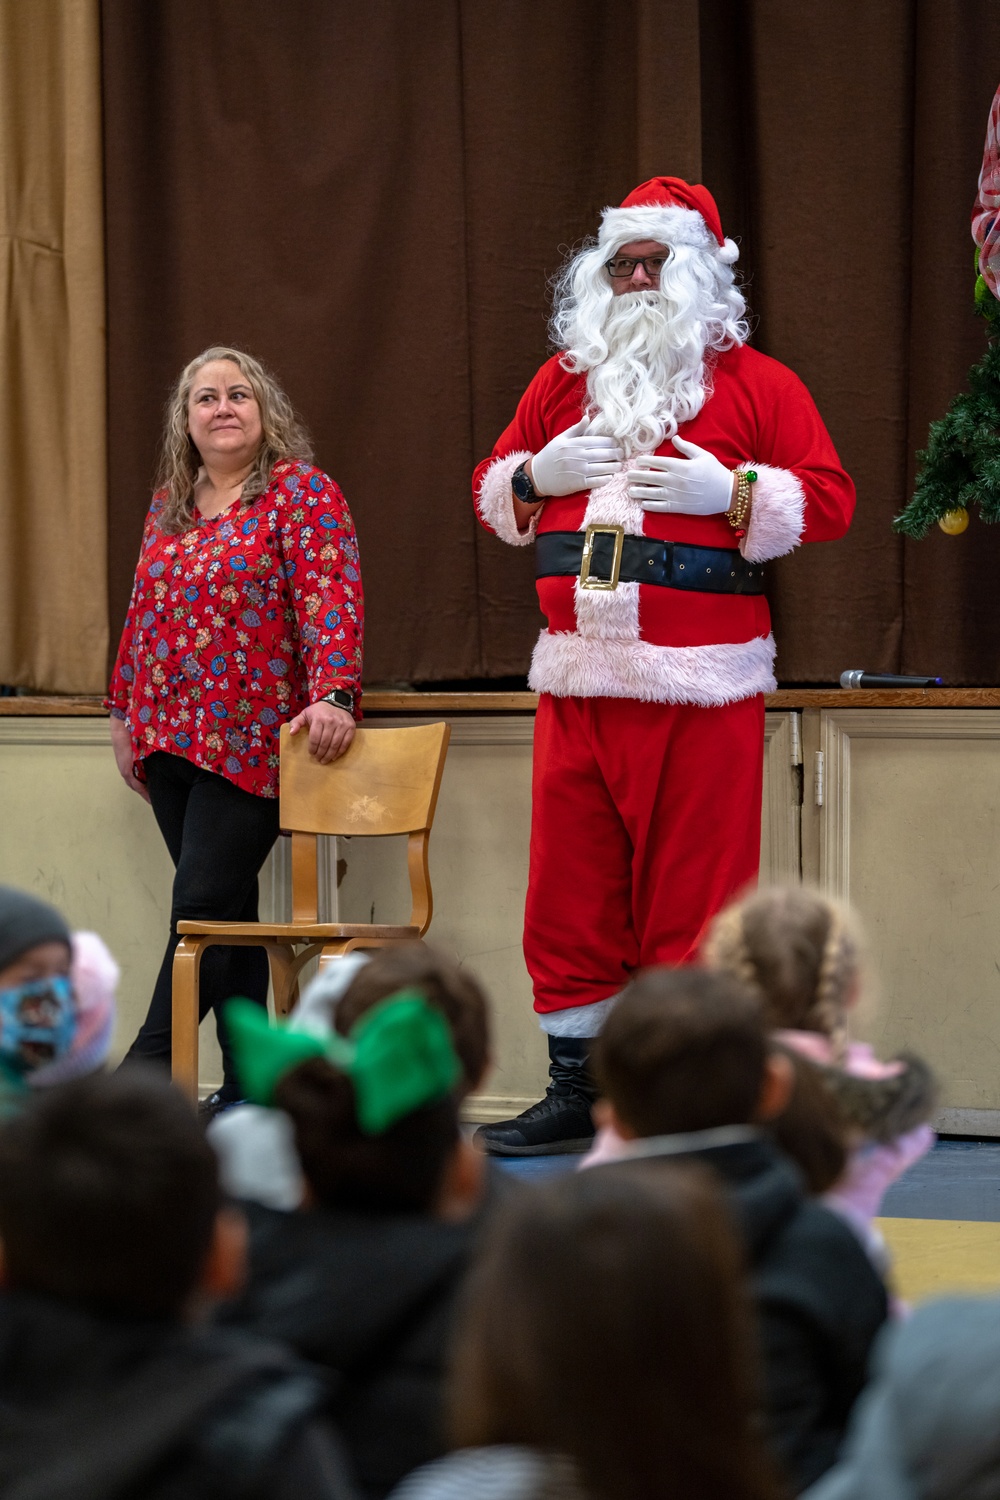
(586, 582)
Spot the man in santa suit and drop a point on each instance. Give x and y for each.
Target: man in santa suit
(656, 461)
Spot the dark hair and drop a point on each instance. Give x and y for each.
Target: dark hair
(811, 1129)
(108, 1194)
(399, 1171)
(442, 982)
(607, 1322)
(683, 1050)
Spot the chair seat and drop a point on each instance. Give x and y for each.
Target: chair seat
(298, 932)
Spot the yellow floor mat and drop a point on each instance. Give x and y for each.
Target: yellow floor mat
(934, 1256)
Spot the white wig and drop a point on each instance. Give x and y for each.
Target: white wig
(647, 355)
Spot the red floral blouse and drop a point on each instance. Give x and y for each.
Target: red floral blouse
(235, 625)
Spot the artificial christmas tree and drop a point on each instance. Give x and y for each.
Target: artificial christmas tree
(961, 463)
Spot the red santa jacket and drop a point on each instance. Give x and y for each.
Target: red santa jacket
(643, 640)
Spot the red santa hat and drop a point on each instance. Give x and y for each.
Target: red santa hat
(669, 210)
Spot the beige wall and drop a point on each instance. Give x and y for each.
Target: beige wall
(75, 835)
(479, 871)
(908, 827)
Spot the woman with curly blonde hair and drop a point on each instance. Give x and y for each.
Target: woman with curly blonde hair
(246, 613)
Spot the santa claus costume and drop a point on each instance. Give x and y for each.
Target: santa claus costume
(648, 756)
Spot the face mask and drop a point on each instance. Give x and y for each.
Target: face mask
(37, 1024)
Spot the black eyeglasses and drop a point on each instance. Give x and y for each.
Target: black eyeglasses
(623, 266)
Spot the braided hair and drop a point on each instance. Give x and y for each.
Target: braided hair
(798, 950)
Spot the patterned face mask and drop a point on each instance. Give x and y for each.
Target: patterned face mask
(37, 1024)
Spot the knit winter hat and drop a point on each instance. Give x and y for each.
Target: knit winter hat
(25, 922)
(669, 210)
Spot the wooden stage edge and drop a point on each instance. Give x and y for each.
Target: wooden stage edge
(377, 702)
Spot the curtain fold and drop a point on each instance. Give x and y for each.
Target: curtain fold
(374, 199)
(53, 494)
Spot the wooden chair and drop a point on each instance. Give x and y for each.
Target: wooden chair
(387, 783)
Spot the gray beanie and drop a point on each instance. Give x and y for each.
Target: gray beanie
(25, 921)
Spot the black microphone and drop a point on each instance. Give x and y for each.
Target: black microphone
(859, 679)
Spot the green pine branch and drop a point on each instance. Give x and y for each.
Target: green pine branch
(961, 464)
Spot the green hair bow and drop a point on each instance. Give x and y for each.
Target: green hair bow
(399, 1056)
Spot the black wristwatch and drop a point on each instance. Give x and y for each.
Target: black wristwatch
(340, 699)
(523, 487)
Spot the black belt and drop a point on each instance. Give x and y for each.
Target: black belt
(672, 565)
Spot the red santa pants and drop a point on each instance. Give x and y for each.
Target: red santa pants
(645, 822)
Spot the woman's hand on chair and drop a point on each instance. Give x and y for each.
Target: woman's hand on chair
(121, 744)
(331, 730)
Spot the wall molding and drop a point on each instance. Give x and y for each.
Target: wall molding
(960, 1121)
(51, 731)
(514, 729)
(782, 754)
(838, 728)
(486, 1109)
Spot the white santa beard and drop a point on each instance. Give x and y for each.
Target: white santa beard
(653, 377)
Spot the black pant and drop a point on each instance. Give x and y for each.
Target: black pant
(218, 837)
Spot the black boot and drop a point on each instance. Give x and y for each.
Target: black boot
(561, 1121)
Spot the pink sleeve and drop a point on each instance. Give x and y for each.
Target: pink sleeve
(872, 1169)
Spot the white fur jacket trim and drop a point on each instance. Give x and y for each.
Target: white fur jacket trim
(777, 516)
(570, 665)
(495, 502)
(671, 224)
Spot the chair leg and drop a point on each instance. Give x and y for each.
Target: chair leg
(286, 966)
(361, 945)
(283, 976)
(332, 951)
(184, 1018)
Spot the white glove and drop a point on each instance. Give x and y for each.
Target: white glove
(697, 485)
(575, 460)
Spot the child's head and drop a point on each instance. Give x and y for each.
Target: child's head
(811, 1129)
(57, 995)
(108, 1196)
(94, 977)
(451, 989)
(798, 950)
(400, 1170)
(36, 996)
(607, 1321)
(34, 939)
(687, 1050)
(375, 1114)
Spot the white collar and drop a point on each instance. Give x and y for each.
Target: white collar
(692, 1140)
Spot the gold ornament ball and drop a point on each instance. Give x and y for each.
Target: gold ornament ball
(954, 522)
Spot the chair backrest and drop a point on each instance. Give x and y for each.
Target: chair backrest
(387, 782)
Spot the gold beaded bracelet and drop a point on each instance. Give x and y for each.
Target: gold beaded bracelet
(739, 511)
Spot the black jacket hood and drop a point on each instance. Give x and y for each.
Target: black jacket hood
(818, 1298)
(339, 1286)
(93, 1406)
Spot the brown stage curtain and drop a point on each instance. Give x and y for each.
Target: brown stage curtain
(53, 497)
(372, 198)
